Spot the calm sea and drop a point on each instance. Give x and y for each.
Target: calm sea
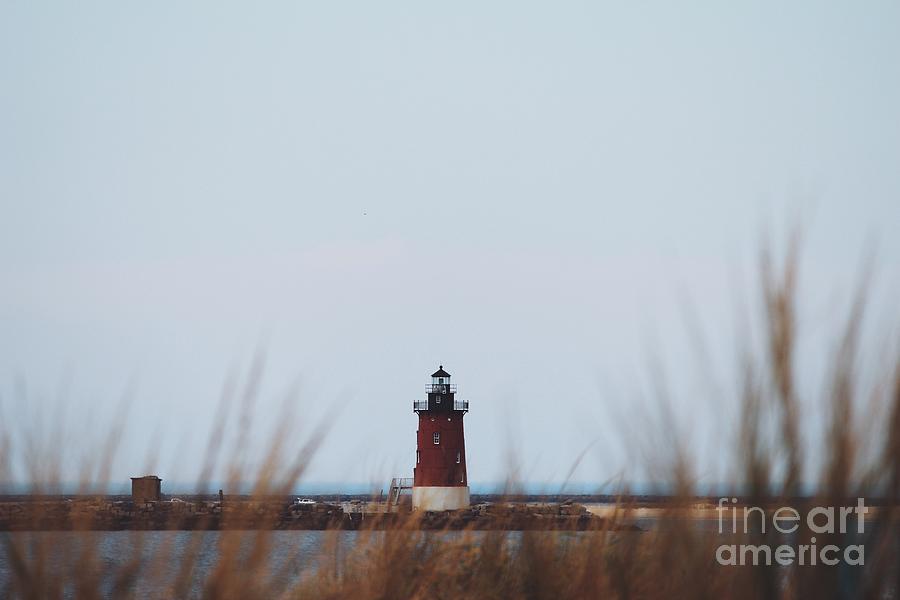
(291, 553)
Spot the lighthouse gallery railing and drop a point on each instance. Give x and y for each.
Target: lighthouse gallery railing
(457, 405)
(440, 388)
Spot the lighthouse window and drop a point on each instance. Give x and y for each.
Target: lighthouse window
(437, 437)
(457, 458)
(418, 458)
(438, 399)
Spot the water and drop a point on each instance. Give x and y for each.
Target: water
(290, 554)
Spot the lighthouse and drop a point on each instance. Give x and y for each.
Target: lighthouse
(440, 481)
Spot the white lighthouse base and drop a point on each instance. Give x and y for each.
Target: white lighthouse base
(440, 498)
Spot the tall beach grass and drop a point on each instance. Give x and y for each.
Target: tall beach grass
(676, 559)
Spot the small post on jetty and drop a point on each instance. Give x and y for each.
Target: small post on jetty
(146, 489)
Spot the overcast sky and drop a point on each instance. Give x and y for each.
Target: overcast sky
(533, 195)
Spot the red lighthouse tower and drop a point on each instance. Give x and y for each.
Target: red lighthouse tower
(439, 478)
